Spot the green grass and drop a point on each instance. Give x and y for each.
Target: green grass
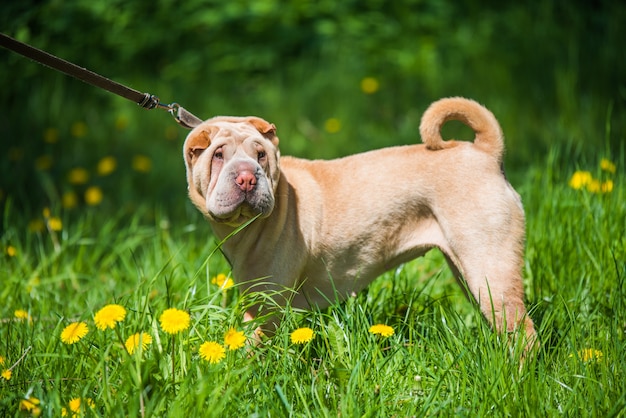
(442, 360)
(145, 247)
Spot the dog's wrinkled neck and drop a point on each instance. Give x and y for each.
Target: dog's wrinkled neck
(235, 237)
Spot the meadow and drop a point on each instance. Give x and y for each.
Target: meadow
(66, 352)
(115, 298)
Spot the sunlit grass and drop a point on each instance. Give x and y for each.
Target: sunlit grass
(119, 314)
(95, 214)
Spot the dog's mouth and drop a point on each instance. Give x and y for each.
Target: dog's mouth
(241, 192)
(240, 216)
(238, 207)
(235, 219)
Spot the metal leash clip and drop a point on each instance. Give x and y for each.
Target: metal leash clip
(183, 117)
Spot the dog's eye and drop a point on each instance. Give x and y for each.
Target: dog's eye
(261, 155)
(218, 155)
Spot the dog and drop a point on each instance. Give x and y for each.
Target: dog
(326, 229)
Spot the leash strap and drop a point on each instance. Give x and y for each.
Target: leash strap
(145, 100)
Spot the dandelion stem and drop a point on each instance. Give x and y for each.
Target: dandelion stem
(119, 337)
(53, 237)
(173, 359)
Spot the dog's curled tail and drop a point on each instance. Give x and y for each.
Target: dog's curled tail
(486, 127)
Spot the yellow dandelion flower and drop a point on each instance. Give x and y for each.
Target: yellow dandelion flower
(382, 330)
(31, 404)
(212, 352)
(54, 223)
(594, 186)
(78, 175)
(588, 354)
(174, 320)
(234, 339)
(51, 135)
(36, 225)
(74, 332)
(15, 154)
(332, 125)
(369, 85)
(74, 405)
(77, 407)
(121, 122)
(78, 129)
(93, 195)
(106, 166)
(69, 200)
(43, 162)
(132, 343)
(580, 179)
(141, 163)
(607, 186)
(223, 281)
(21, 314)
(11, 251)
(171, 133)
(109, 316)
(6, 374)
(32, 283)
(302, 335)
(607, 165)
(2, 360)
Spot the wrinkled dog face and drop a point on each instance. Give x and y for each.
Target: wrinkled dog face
(232, 168)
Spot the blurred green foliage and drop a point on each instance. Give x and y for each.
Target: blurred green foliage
(552, 72)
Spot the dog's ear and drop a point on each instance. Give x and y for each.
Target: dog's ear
(198, 141)
(268, 130)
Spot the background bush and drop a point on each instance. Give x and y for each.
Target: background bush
(551, 72)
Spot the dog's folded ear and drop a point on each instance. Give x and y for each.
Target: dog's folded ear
(197, 141)
(268, 130)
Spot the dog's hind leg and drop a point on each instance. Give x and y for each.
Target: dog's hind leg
(488, 261)
(498, 291)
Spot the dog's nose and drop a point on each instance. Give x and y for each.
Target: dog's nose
(246, 181)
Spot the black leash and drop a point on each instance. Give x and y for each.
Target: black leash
(145, 100)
